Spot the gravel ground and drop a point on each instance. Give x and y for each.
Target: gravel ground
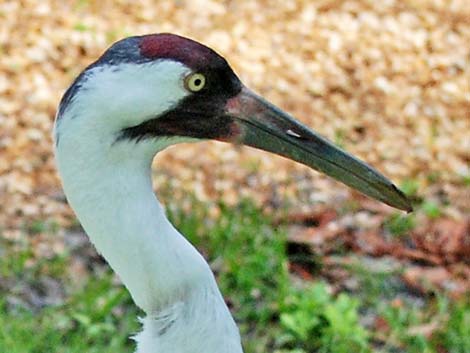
(388, 80)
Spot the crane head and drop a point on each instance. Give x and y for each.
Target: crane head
(164, 86)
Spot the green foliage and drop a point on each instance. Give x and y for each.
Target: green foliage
(410, 326)
(81, 27)
(254, 262)
(410, 187)
(399, 224)
(466, 180)
(38, 226)
(94, 310)
(315, 321)
(400, 319)
(249, 258)
(97, 319)
(434, 177)
(454, 336)
(89, 322)
(340, 136)
(375, 284)
(431, 209)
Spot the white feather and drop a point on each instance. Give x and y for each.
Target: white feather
(108, 184)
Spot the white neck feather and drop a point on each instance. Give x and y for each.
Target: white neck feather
(108, 184)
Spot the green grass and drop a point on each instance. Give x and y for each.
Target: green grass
(453, 336)
(431, 209)
(410, 187)
(275, 312)
(313, 312)
(399, 225)
(408, 325)
(86, 323)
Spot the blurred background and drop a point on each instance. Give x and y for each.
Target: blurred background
(306, 264)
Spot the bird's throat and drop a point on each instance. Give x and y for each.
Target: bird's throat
(110, 190)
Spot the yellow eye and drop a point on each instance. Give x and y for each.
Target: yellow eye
(195, 82)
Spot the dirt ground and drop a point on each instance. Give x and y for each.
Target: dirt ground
(387, 80)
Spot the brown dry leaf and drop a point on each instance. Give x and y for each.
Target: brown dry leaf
(300, 271)
(381, 325)
(316, 237)
(425, 330)
(446, 238)
(320, 232)
(319, 217)
(425, 280)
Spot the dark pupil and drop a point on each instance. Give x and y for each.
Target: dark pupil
(197, 82)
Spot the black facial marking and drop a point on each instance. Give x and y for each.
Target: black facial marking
(199, 115)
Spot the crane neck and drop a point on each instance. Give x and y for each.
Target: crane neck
(108, 184)
(111, 192)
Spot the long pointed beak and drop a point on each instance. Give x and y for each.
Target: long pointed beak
(262, 125)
